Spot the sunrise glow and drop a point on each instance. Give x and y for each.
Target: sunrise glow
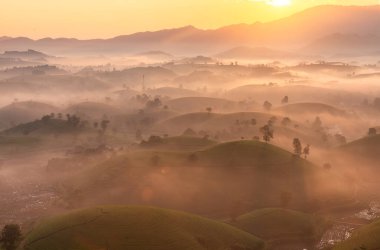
(280, 3)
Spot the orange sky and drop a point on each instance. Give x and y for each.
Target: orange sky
(108, 18)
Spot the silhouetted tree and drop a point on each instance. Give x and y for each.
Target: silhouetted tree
(151, 104)
(104, 124)
(267, 106)
(189, 132)
(285, 100)
(45, 119)
(285, 121)
(372, 131)
(306, 151)
(341, 139)
(10, 236)
(317, 124)
(267, 132)
(297, 147)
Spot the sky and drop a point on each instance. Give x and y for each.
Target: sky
(86, 19)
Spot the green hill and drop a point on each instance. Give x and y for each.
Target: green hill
(120, 228)
(282, 224)
(366, 238)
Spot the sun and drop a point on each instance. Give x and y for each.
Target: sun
(279, 3)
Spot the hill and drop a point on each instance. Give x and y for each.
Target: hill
(156, 55)
(140, 228)
(297, 94)
(199, 104)
(360, 20)
(283, 225)
(173, 92)
(342, 44)
(21, 112)
(311, 108)
(179, 123)
(249, 53)
(52, 84)
(210, 180)
(179, 143)
(366, 237)
(251, 154)
(365, 148)
(94, 110)
(29, 55)
(44, 127)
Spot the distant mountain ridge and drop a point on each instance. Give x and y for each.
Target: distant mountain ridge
(295, 31)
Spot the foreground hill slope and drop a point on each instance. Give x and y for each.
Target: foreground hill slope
(139, 228)
(366, 237)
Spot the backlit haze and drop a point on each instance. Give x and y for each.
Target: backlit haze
(104, 19)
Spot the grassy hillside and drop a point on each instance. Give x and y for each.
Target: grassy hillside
(248, 153)
(276, 224)
(367, 147)
(311, 108)
(92, 109)
(182, 122)
(119, 228)
(366, 238)
(21, 112)
(211, 180)
(173, 92)
(199, 104)
(40, 127)
(181, 143)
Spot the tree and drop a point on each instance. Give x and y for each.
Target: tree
(10, 235)
(209, 110)
(372, 131)
(151, 104)
(341, 139)
(267, 132)
(297, 146)
(253, 122)
(285, 100)
(104, 125)
(317, 124)
(267, 106)
(189, 132)
(285, 121)
(306, 151)
(45, 119)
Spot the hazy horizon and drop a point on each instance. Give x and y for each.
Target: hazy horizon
(103, 20)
